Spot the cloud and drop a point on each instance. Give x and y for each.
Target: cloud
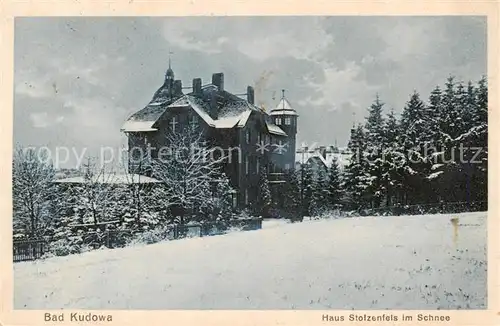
(290, 43)
(44, 120)
(40, 120)
(302, 38)
(339, 86)
(186, 36)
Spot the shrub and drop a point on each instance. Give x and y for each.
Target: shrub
(63, 247)
(150, 236)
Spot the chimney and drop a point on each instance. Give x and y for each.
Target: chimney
(197, 86)
(177, 87)
(322, 151)
(250, 95)
(218, 80)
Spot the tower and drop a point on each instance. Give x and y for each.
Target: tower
(169, 75)
(285, 117)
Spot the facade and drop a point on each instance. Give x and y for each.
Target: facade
(224, 120)
(322, 157)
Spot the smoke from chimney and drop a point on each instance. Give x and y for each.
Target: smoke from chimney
(260, 87)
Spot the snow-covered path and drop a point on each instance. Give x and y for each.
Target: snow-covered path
(407, 262)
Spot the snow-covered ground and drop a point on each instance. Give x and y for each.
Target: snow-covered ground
(406, 262)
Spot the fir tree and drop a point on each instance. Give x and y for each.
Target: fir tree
(291, 195)
(481, 112)
(450, 114)
(306, 188)
(481, 127)
(392, 159)
(416, 169)
(334, 190)
(357, 181)
(374, 146)
(433, 114)
(264, 197)
(319, 196)
(375, 124)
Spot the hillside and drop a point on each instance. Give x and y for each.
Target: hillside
(404, 262)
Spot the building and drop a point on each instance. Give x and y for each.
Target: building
(322, 157)
(225, 120)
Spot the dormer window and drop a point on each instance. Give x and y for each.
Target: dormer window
(278, 121)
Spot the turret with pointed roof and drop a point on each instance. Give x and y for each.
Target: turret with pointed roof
(285, 116)
(169, 75)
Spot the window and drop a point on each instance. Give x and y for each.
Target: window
(193, 122)
(246, 165)
(278, 121)
(257, 166)
(258, 138)
(288, 121)
(248, 136)
(287, 166)
(173, 123)
(246, 196)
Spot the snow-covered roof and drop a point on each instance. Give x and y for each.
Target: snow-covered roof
(229, 122)
(283, 112)
(341, 156)
(234, 111)
(274, 129)
(111, 178)
(136, 126)
(156, 107)
(283, 108)
(244, 118)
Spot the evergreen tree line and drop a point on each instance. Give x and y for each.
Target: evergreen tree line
(434, 152)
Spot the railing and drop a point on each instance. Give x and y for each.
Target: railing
(214, 228)
(432, 208)
(25, 250)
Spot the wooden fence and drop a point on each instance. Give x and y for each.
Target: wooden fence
(214, 228)
(25, 250)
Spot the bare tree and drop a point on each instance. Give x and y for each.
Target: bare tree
(33, 189)
(188, 169)
(94, 195)
(135, 188)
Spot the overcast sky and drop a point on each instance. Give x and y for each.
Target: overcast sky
(78, 79)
